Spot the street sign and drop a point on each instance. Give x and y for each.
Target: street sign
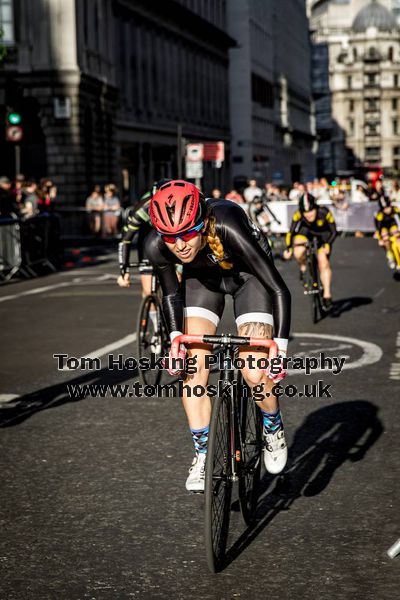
(14, 133)
(214, 151)
(194, 169)
(194, 152)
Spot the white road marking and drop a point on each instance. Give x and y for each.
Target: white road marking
(7, 397)
(379, 293)
(394, 373)
(129, 339)
(40, 290)
(46, 288)
(371, 352)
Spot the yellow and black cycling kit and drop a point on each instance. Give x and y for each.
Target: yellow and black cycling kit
(387, 224)
(323, 228)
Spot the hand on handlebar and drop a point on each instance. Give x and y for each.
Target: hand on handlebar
(124, 280)
(174, 363)
(287, 254)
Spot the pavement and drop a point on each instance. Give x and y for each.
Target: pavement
(92, 500)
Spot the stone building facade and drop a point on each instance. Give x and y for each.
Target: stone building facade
(106, 86)
(356, 76)
(270, 90)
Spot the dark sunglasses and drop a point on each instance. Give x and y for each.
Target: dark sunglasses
(185, 237)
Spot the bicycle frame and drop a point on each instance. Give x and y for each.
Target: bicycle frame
(229, 343)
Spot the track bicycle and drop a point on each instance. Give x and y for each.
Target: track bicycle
(311, 280)
(152, 333)
(235, 445)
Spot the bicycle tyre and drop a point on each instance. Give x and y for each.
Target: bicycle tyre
(145, 333)
(218, 484)
(316, 305)
(251, 435)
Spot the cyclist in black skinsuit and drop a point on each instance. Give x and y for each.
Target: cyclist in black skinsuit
(222, 252)
(138, 223)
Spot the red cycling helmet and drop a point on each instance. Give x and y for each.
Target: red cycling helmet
(176, 207)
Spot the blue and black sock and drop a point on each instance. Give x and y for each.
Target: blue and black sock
(272, 421)
(200, 439)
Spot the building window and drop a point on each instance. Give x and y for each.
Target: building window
(351, 105)
(372, 78)
(390, 54)
(372, 128)
(373, 152)
(396, 158)
(394, 103)
(349, 82)
(395, 80)
(355, 54)
(351, 127)
(262, 91)
(372, 103)
(395, 124)
(7, 21)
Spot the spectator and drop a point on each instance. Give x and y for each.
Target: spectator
(7, 199)
(31, 200)
(111, 209)
(18, 190)
(395, 193)
(340, 200)
(94, 208)
(359, 195)
(47, 195)
(295, 193)
(252, 191)
(379, 191)
(216, 193)
(234, 196)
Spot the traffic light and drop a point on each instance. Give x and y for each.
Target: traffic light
(13, 118)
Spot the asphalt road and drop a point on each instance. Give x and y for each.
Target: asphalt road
(92, 497)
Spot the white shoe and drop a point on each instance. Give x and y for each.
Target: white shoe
(275, 452)
(195, 481)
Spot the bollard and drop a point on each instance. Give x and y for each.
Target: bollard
(394, 550)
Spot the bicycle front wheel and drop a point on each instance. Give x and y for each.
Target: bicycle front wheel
(218, 483)
(152, 338)
(251, 427)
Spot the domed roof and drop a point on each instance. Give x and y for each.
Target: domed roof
(374, 15)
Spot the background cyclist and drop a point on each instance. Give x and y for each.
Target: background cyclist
(308, 222)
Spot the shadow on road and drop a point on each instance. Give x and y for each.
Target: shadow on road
(327, 438)
(346, 304)
(22, 408)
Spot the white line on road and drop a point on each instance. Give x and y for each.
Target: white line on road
(371, 352)
(129, 339)
(379, 293)
(5, 398)
(46, 288)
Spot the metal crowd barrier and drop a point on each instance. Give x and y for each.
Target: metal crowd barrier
(27, 246)
(10, 247)
(357, 217)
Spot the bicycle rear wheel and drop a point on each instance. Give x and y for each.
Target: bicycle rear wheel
(251, 428)
(218, 483)
(315, 287)
(152, 338)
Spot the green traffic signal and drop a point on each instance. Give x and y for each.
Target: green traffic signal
(14, 118)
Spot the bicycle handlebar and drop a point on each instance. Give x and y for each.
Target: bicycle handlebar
(225, 340)
(142, 263)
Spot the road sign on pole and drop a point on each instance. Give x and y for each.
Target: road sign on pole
(14, 133)
(194, 169)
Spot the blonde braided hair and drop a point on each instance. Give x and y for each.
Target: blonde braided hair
(212, 239)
